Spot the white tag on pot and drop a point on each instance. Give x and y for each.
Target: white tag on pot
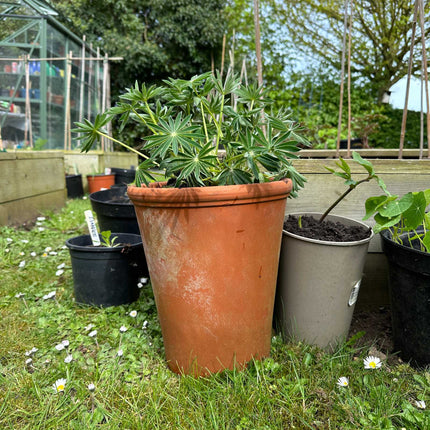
(354, 293)
(108, 171)
(92, 227)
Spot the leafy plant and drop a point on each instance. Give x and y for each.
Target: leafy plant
(204, 131)
(108, 240)
(345, 173)
(402, 215)
(398, 214)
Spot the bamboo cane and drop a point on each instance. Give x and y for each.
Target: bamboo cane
(342, 78)
(426, 79)
(408, 84)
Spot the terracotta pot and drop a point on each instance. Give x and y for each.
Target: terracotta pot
(97, 182)
(213, 255)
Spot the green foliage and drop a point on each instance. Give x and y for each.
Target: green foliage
(402, 215)
(294, 388)
(388, 133)
(108, 240)
(156, 38)
(189, 121)
(345, 173)
(380, 40)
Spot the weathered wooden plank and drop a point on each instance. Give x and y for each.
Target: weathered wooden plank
(382, 167)
(371, 153)
(26, 177)
(25, 209)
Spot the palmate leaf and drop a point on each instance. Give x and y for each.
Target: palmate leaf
(192, 162)
(173, 135)
(234, 176)
(142, 94)
(143, 174)
(89, 132)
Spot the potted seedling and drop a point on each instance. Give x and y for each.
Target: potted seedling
(405, 230)
(107, 267)
(212, 228)
(321, 268)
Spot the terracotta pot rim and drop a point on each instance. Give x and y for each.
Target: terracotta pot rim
(209, 196)
(326, 242)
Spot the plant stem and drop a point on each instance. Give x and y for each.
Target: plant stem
(123, 144)
(351, 187)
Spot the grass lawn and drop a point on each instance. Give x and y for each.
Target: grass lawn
(111, 364)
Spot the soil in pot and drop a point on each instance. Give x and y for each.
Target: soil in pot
(330, 231)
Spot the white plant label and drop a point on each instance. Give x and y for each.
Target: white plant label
(354, 293)
(92, 227)
(108, 171)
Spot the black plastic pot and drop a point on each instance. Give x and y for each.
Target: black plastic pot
(113, 212)
(409, 286)
(74, 186)
(123, 176)
(107, 276)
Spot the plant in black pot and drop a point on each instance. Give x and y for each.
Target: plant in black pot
(106, 272)
(405, 230)
(321, 267)
(212, 226)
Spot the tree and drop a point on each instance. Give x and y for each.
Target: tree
(157, 38)
(381, 37)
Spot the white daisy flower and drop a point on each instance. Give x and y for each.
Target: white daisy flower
(68, 358)
(143, 280)
(28, 361)
(120, 353)
(9, 240)
(59, 272)
(59, 385)
(33, 254)
(22, 264)
(372, 362)
(7, 250)
(420, 404)
(44, 255)
(65, 342)
(41, 228)
(19, 295)
(123, 329)
(22, 253)
(60, 347)
(145, 325)
(343, 381)
(84, 198)
(61, 266)
(31, 351)
(64, 247)
(41, 218)
(92, 333)
(48, 249)
(24, 241)
(133, 314)
(53, 253)
(50, 295)
(89, 327)
(139, 285)
(91, 387)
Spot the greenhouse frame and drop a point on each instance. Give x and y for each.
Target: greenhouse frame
(49, 78)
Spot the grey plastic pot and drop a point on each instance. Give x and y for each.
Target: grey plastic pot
(318, 285)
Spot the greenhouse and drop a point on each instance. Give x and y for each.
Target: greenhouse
(49, 78)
